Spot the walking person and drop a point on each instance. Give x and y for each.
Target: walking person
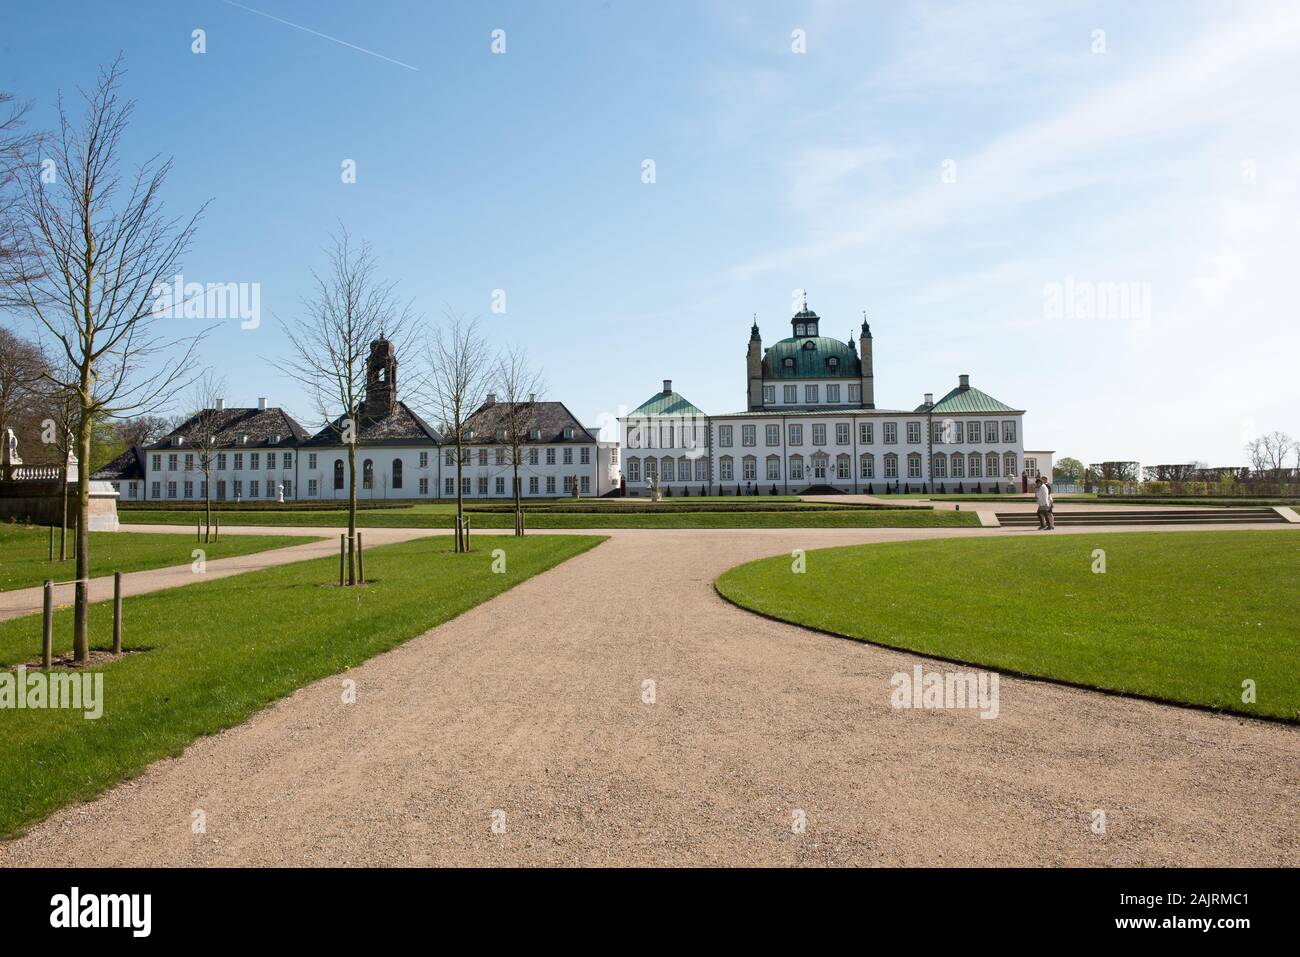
(1043, 492)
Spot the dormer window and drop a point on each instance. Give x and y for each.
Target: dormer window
(789, 363)
(833, 361)
(810, 344)
(800, 329)
(535, 434)
(568, 433)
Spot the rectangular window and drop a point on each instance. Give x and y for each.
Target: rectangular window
(855, 392)
(550, 457)
(972, 432)
(254, 459)
(171, 489)
(724, 436)
(464, 485)
(203, 489)
(568, 456)
(866, 433)
(482, 456)
(891, 466)
(832, 393)
(773, 434)
(891, 433)
(584, 483)
(841, 433)
(975, 465)
(312, 488)
(868, 469)
(239, 488)
(796, 435)
(791, 394)
(311, 460)
(424, 460)
(751, 468)
(501, 485)
(155, 490)
(701, 470)
(253, 488)
(449, 486)
(914, 466)
(482, 485)
(819, 433)
(913, 433)
(748, 435)
(189, 462)
(769, 395)
(270, 461)
(1009, 431)
(449, 458)
(584, 455)
(239, 461)
(424, 486)
(796, 468)
(532, 456)
(957, 432)
(532, 485)
(221, 461)
(936, 433)
(990, 432)
(550, 485)
(810, 394)
(842, 467)
(288, 489)
(156, 463)
(172, 462)
(724, 469)
(773, 468)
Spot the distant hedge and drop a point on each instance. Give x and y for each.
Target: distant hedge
(665, 508)
(190, 505)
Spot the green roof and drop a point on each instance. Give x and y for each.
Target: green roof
(968, 399)
(811, 355)
(666, 403)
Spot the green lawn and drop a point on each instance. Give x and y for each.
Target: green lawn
(219, 651)
(1177, 616)
(24, 553)
(608, 516)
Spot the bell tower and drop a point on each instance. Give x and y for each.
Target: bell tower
(864, 354)
(754, 367)
(381, 378)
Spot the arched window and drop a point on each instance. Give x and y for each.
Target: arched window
(992, 460)
(666, 470)
(973, 465)
(397, 473)
(788, 362)
(867, 466)
(726, 468)
(634, 470)
(940, 465)
(338, 474)
(959, 464)
(833, 362)
(368, 474)
(1010, 465)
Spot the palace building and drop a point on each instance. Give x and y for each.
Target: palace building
(811, 424)
(263, 454)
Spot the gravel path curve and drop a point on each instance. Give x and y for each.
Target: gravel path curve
(532, 705)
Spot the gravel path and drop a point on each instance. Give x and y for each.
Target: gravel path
(531, 705)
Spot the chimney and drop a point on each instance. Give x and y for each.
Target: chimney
(963, 382)
(221, 404)
(929, 398)
(261, 403)
(491, 398)
(532, 397)
(668, 386)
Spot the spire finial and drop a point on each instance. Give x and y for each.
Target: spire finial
(805, 299)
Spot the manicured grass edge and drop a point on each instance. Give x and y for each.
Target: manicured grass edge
(1025, 675)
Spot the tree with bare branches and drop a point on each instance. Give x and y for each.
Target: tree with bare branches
(518, 385)
(349, 308)
(93, 246)
(22, 369)
(201, 430)
(460, 365)
(1268, 454)
(17, 151)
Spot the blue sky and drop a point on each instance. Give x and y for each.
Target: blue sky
(940, 166)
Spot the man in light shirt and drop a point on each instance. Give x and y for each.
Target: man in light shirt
(1043, 491)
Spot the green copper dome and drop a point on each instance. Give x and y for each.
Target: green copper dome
(811, 357)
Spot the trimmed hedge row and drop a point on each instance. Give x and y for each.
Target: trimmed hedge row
(190, 505)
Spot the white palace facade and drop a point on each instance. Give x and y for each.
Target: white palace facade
(811, 424)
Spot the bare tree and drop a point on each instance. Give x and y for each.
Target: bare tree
(92, 247)
(201, 430)
(1268, 454)
(518, 384)
(145, 429)
(17, 146)
(460, 364)
(349, 308)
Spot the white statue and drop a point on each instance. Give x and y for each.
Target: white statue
(655, 494)
(11, 449)
(280, 495)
